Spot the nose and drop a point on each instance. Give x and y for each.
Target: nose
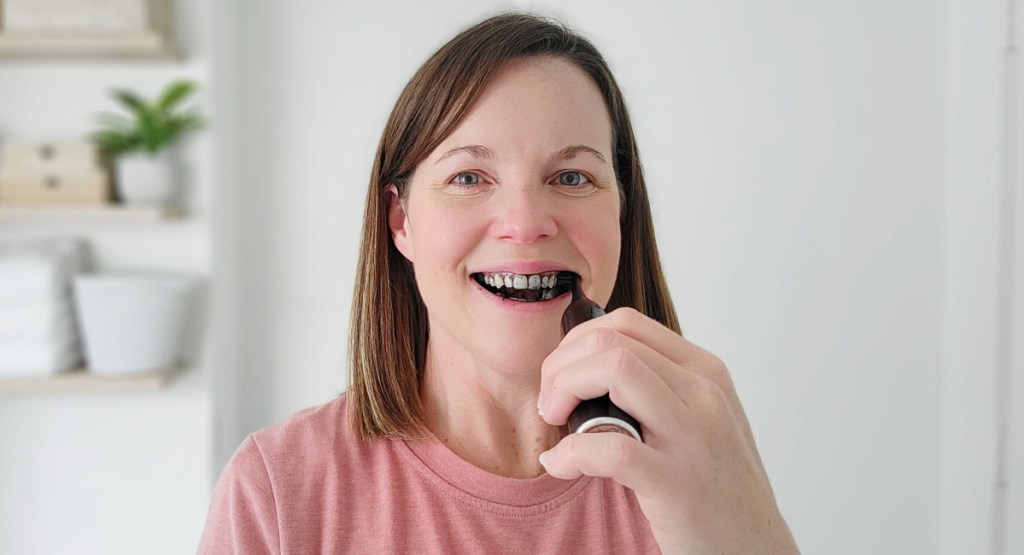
(524, 214)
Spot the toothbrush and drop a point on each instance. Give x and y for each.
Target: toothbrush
(600, 414)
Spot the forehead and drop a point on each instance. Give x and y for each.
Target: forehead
(539, 103)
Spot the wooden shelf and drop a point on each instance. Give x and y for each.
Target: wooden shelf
(139, 45)
(109, 213)
(56, 31)
(83, 381)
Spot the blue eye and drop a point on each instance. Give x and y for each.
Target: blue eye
(474, 178)
(574, 179)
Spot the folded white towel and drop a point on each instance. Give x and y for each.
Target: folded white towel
(38, 319)
(39, 358)
(71, 247)
(31, 276)
(41, 269)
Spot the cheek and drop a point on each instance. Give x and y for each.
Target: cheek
(444, 237)
(600, 242)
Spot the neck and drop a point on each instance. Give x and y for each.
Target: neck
(487, 416)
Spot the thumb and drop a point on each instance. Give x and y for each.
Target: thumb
(604, 454)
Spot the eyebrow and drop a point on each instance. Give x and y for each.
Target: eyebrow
(480, 151)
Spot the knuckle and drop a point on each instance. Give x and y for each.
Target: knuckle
(629, 315)
(720, 368)
(620, 453)
(624, 363)
(721, 373)
(711, 395)
(546, 368)
(717, 363)
(569, 446)
(556, 383)
(605, 338)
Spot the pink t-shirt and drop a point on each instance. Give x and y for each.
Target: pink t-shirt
(308, 485)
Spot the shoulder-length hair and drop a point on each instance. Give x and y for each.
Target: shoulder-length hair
(389, 331)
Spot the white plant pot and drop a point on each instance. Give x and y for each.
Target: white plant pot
(132, 322)
(146, 180)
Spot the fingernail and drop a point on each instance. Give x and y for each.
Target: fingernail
(547, 457)
(540, 404)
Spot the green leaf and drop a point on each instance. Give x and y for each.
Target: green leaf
(115, 122)
(149, 130)
(188, 121)
(116, 143)
(174, 94)
(151, 126)
(131, 101)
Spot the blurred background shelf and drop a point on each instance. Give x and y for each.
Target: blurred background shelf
(110, 213)
(83, 381)
(87, 29)
(140, 45)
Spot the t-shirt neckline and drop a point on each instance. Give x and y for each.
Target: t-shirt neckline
(480, 488)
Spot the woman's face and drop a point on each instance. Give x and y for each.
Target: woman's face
(523, 188)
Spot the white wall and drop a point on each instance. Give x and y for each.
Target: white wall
(982, 460)
(115, 472)
(794, 152)
(971, 276)
(1014, 120)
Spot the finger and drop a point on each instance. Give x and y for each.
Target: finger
(638, 326)
(652, 333)
(628, 328)
(692, 357)
(630, 383)
(607, 339)
(606, 455)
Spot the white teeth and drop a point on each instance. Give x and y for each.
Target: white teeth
(521, 281)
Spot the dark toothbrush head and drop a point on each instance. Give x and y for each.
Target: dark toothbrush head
(580, 309)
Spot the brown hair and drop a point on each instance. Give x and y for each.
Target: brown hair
(388, 333)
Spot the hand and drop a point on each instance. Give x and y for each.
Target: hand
(697, 476)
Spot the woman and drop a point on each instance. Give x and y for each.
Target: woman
(508, 162)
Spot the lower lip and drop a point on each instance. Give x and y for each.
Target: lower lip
(559, 302)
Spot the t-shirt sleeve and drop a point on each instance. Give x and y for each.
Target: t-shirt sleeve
(243, 513)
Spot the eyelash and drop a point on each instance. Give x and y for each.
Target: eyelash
(586, 179)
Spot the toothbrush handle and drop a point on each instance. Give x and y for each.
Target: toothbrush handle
(600, 414)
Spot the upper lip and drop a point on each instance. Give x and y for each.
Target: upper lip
(525, 268)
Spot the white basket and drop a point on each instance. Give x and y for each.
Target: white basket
(132, 322)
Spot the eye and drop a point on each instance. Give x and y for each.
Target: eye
(572, 179)
(467, 178)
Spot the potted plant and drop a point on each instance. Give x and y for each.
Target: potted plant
(139, 142)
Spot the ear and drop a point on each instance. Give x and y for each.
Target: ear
(398, 222)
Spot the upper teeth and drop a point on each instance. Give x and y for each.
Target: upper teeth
(521, 281)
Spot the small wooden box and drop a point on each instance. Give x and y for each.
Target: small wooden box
(55, 188)
(58, 156)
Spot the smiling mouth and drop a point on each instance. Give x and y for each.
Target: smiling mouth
(527, 288)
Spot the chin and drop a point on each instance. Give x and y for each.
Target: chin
(528, 353)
